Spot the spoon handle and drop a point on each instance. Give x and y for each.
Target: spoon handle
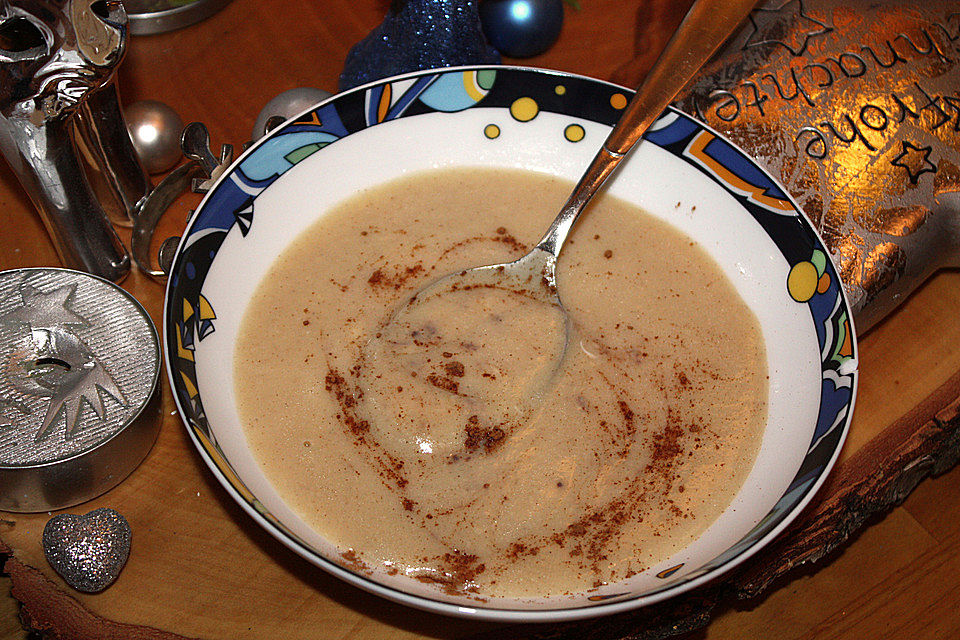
(705, 27)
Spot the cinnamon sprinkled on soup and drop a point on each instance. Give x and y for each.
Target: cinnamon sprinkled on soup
(441, 450)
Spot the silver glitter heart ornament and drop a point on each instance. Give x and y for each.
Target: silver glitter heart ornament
(87, 551)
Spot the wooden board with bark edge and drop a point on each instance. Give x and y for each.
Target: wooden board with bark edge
(866, 481)
(201, 568)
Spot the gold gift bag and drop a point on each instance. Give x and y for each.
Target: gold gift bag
(855, 107)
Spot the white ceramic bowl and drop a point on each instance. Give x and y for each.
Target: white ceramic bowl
(548, 122)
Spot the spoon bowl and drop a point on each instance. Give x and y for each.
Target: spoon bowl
(471, 322)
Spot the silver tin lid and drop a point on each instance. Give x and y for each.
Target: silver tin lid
(147, 17)
(79, 387)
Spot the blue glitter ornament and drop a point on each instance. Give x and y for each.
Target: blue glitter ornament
(521, 28)
(419, 34)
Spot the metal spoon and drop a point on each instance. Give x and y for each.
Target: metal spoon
(703, 30)
(458, 308)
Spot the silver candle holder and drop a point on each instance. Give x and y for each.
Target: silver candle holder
(79, 387)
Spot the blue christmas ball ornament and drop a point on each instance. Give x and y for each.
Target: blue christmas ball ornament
(521, 28)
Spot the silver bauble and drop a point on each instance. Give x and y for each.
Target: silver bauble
(155, 129)
(284, 106)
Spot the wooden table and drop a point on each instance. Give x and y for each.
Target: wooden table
(201, 568)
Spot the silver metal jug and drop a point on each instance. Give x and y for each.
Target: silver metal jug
(57, 62)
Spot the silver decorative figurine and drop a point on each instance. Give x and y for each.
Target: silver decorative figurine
(854, 105)
(55, 56)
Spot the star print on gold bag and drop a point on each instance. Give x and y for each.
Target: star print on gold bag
(854, 107)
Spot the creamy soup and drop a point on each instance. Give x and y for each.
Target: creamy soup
(484, 442)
